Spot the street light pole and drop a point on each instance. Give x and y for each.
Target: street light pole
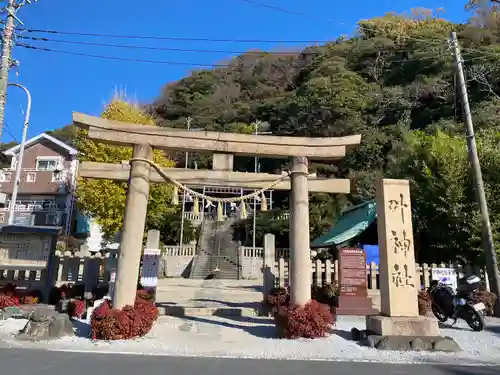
(21, 154)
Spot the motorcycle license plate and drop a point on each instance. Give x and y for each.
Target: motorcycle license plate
(479, 306)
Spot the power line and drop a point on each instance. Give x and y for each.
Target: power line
(104, 57)
(9, 131)
(161, 48)
(186, 63)
(273, 7)
(361, 27)
(290, 11)
(128, 46)
(173, 38)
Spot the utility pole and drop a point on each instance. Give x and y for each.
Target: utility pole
(8, 31)
(487, 236)
(6, 60)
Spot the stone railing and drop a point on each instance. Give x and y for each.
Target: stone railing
(179, 251)
(193, 217)
(176, 260)
(258, 252)
(61, 268)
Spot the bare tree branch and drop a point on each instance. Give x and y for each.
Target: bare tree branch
(479, 74)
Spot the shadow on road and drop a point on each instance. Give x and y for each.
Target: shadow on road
(455, 327)
(243, 305)
(467, 370)
(493, 329)
(263, 328)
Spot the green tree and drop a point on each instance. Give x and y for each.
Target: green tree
(67, 134)
(4, 160)
(447, 220)
(104, 200)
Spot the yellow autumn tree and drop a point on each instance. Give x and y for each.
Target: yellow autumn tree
(104, 200)
(420, 23)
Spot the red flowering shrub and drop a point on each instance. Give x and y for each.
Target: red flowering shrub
(145, 294)
(8, 301)
(310, 321)
(76, 308)
(277, 298)
(130, 322)
(424, 302)
(102, 309)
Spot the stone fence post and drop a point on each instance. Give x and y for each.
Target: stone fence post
(111, 265)
(269, 264)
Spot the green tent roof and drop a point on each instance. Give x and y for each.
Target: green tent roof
(351, 223)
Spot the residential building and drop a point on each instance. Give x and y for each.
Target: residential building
(47, 183)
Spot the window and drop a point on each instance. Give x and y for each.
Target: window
(31, 177)
(5, 177)
(58, 176)
(47, 164)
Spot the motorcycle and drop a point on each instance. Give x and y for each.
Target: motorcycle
(446, 304)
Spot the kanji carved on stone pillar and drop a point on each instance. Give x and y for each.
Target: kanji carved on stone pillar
(398, 279)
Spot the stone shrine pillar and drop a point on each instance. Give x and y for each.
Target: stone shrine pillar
(300, 270)
(134, 221)
(399, 282)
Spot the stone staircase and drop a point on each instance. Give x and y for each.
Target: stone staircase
(216, 250)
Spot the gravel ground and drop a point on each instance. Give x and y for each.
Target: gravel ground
(253, 337)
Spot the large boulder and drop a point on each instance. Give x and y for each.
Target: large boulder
(46, 324)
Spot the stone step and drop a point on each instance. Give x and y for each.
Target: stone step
(180, 311)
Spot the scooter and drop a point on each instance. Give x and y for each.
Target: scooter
(446, 304)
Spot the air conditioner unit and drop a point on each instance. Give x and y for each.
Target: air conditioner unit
(3, 198)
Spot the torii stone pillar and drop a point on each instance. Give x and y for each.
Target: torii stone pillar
(300, 254)
(134, 221)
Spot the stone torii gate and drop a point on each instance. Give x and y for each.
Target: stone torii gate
(223, 146)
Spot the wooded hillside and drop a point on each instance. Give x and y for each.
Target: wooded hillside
(394, 83)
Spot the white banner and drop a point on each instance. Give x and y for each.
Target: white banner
(447, 276)
(149, 274)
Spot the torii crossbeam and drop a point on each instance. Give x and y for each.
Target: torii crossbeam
(223, 146)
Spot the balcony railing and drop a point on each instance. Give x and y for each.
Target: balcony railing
(34, 206)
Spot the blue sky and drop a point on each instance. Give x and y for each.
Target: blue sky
(61, 84)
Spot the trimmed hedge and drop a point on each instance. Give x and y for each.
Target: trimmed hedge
(130, 322)
(311, 321)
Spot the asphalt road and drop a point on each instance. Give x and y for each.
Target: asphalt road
(39, 362)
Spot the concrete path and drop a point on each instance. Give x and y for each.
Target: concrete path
(241, 294)
(38, 362)
(209, 293)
